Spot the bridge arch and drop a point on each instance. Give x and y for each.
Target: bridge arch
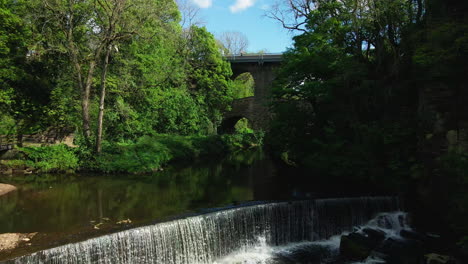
(244, 84)
(228, 126)
(262, 67)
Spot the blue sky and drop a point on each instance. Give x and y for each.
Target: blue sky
(248, 17)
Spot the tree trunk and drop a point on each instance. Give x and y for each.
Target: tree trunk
(102, 100)
(85, 100)
(86, 94)
(84, 87)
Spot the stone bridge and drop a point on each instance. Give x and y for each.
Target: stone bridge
(262, 68)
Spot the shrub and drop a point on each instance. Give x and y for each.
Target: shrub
(56, 158)
(150, 153)
(243, 140)
(143, 156)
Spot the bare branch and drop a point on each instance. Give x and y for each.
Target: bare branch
(190, 14)
(292, 14)
(234, 42)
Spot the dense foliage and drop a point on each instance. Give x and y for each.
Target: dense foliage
(119, 73)
(372, 92)
(56, 158)
(157, 78)
(151, 153)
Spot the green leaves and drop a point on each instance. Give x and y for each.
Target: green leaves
(14, 37)
(208, 73)
(336, 95)
(57, 158)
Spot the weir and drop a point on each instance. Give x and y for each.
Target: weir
(209, 237)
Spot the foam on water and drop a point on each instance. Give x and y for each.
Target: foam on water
(325, 250)
(249, 234)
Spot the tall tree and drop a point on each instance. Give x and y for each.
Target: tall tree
(88, 31)
(25, 76)
(339, 81)
(121, 20)
(209, 73)
(71, 27)
(13, 48)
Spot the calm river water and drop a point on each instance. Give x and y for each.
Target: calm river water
(61, 203)
(70, 208)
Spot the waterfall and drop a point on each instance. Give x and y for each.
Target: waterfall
(208, 237)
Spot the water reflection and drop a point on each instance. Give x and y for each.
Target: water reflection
(59, 203)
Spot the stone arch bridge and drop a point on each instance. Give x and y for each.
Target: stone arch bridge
(255, 108)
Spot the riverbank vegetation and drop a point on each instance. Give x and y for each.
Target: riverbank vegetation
(124, 76)
(145, 155)
(374, 92)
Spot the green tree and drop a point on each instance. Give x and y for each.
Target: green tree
(208, 74)
(123, 19)
(25, 74)
(339, 108)
(13, 48)
(88, 31)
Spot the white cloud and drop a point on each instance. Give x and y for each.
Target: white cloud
(203, 3)
(241, 5)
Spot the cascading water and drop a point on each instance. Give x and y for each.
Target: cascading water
(321, 251)
(209, 238)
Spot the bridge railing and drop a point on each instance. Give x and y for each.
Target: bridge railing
(255, 57)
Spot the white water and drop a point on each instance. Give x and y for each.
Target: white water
(265, 233)
(390, 223)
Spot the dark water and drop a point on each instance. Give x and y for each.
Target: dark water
(57, 203)
(71, 208)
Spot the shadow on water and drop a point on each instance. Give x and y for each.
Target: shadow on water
(69, 208)
(49, 203)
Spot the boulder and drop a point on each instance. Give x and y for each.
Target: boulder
(355, 246)
(6, 188)
(359, 244)
(375, 236)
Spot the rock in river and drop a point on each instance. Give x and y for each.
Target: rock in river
(6, 188)
(10, 241)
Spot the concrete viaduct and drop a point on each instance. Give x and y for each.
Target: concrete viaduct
(255, 108)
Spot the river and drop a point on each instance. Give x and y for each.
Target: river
(203, 212)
